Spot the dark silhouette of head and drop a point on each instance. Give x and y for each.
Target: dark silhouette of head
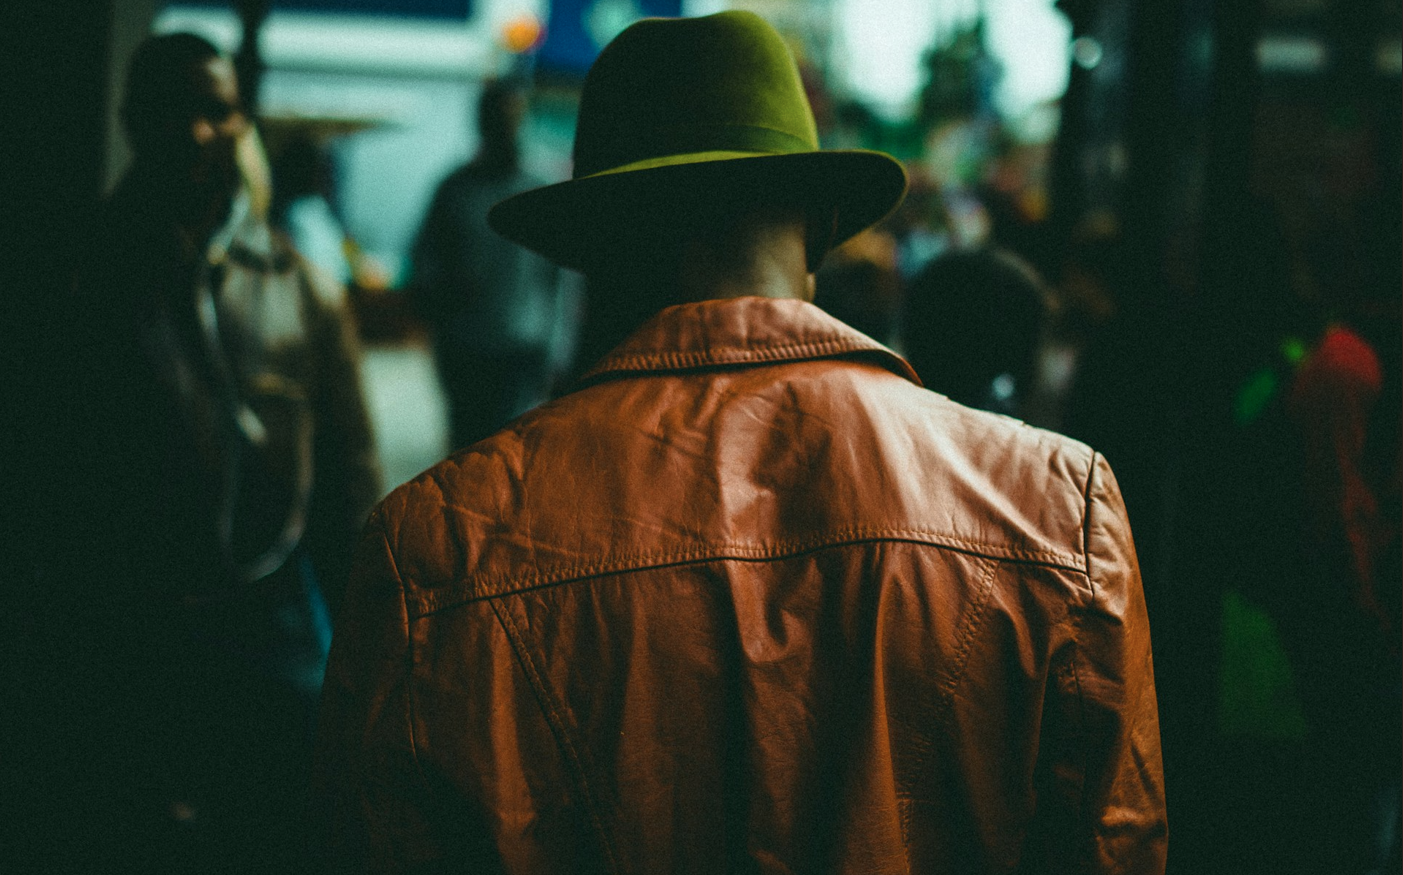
(973, 325)
(501, 108)
(301, 168)
(165, 89)
(184, 119)
(860, 284)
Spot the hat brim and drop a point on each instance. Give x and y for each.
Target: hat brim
(581, 221)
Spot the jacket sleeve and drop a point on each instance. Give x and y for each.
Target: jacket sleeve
(1121, 817)
(370, 797)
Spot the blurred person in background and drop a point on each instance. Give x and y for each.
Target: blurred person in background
(1339, 609)
(1114, 401)
(748, 597)
(859, 284)
(1017, 207)
(302, 207)
(500, 323)
(1299, 530)
(223, 465)
(973, 328)
(918, 225)
(305, 208)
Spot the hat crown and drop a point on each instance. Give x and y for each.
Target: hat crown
(669, 87)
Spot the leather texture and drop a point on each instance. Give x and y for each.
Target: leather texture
(749, 599)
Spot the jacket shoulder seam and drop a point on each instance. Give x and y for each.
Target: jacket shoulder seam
(501, 585)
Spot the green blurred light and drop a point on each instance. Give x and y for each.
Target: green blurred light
(1254, 396)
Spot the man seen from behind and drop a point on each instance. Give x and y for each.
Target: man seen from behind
(747, 598)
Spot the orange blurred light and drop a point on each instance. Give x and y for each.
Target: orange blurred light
(521, 33)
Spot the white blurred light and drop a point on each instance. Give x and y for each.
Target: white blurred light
(698, 8)
(322, 41)
(1086, 52)
(1291, 54)
(1003, 387)
(606, 19)
(1030, 39)
(880, 44)
(1388, 57)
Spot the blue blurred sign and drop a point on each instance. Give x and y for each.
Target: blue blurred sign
(578, 29)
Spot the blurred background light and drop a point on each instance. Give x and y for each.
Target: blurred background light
(1291, 54)
(879, 46)
(521, 33)
(1388, 57)
(1086, 52)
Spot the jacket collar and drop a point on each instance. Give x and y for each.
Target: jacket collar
(737, 332)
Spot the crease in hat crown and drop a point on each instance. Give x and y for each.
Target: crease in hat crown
(673, 109)
(665, 89)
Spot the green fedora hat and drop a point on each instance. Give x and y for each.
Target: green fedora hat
(678, 111)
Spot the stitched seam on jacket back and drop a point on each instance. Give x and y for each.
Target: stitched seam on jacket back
(506, 584)
(964, 638)
(560, 728)
(735, 355)
(639, 364)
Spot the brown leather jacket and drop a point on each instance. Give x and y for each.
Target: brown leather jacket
(749, 599)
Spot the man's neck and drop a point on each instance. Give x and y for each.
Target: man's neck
(764, 260)
(748, 258)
